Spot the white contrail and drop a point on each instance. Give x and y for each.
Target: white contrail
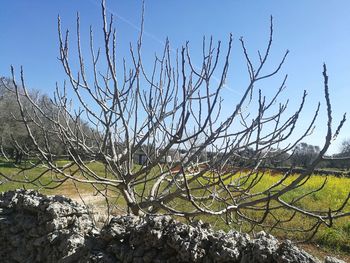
(155, 38)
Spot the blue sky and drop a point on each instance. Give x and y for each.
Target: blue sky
(315, 31)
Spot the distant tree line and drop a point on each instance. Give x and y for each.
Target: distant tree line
(301, 157)
(15, 142)
(14, 138)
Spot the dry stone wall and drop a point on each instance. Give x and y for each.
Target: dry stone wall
(39, 228)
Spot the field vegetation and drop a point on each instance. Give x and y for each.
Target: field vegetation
(336, 238)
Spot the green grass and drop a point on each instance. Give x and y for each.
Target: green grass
(336, 238)
(332, 195)
(44, 183)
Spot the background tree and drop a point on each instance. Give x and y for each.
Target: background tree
(280, 159)
(15, 141)
(341, 160)
(304, 154)
(14, 138)
(173, 106)
(345, 148)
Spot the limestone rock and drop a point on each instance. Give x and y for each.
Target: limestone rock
(39, 228)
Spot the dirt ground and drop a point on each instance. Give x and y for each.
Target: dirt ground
(321, 253)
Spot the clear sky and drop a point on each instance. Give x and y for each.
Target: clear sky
(315, 31)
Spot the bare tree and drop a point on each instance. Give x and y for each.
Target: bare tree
(171, 115)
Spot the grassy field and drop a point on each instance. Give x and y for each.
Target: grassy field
(336, 190)
(336, 238)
